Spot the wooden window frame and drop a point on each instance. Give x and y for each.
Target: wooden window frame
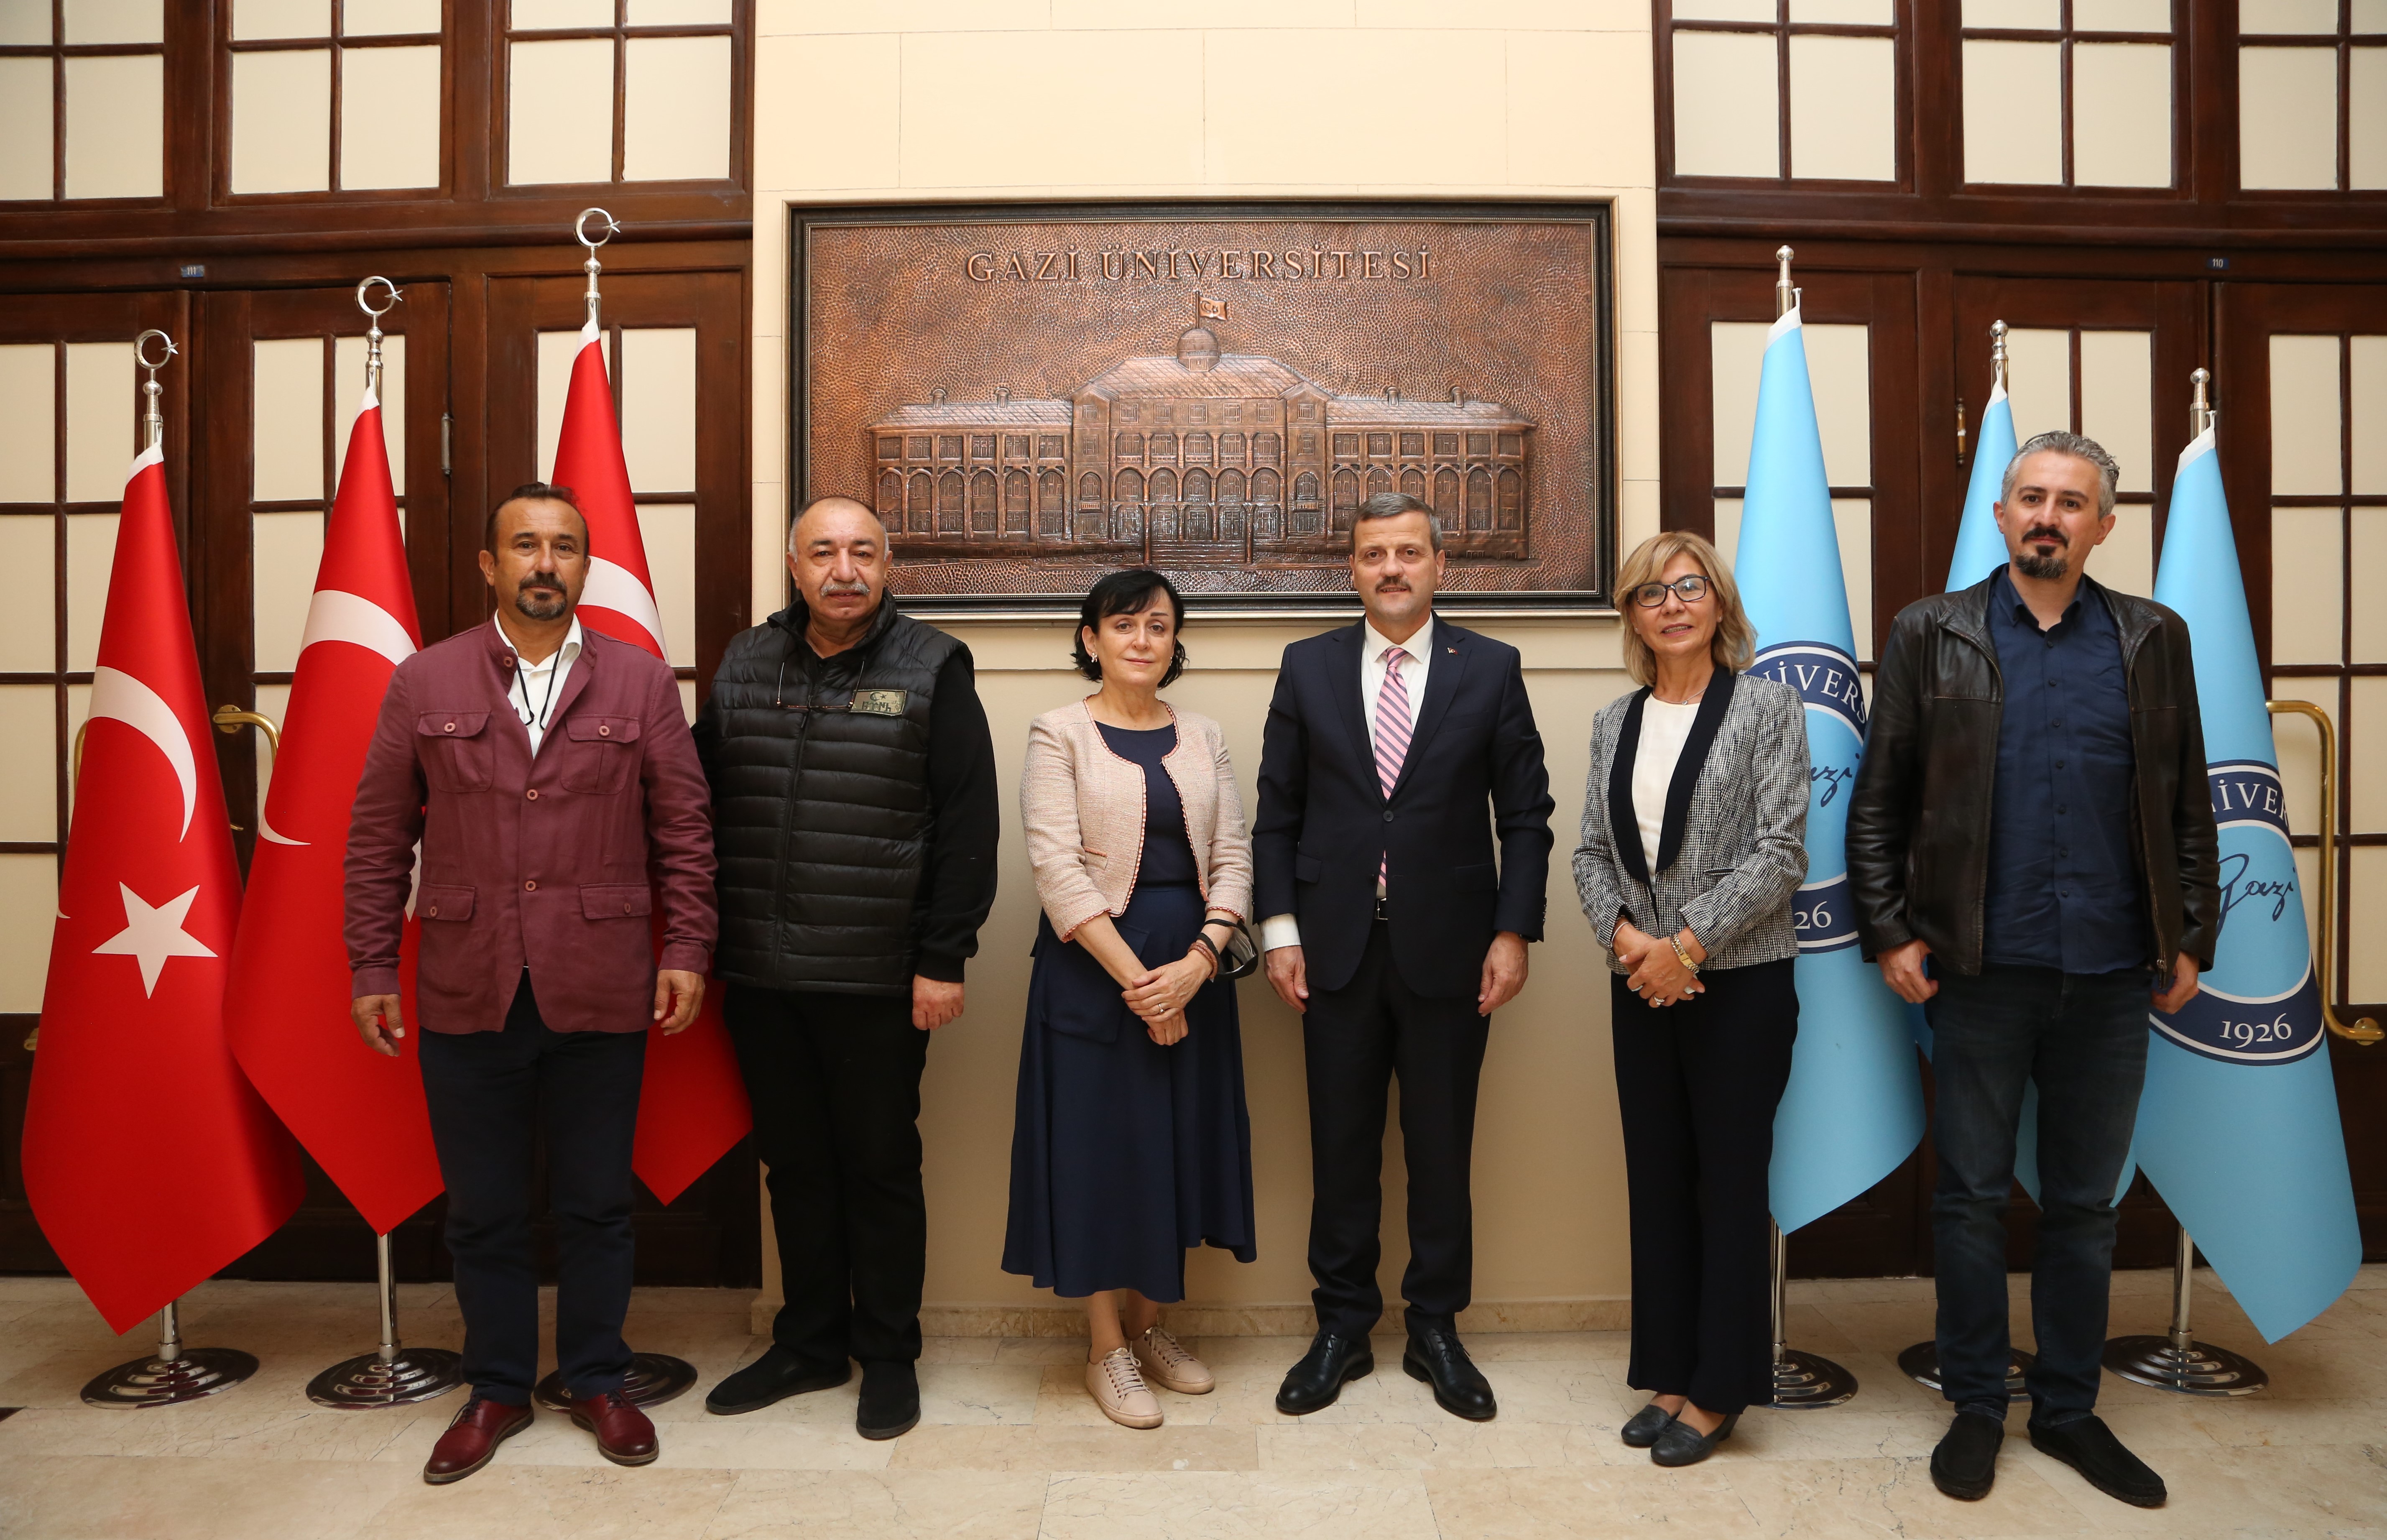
(57, 51)
(739, 28)
(2064, 35)
(338, 44)
(2345, 40)
(1782, 29)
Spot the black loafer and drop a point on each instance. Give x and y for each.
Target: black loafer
(774, 1376)
(1680, 1443)
(1332, 1362)
(2089, 1447)
(1433, 1356)
(1965, 1466)
(890, 1407)
(1642, 1430)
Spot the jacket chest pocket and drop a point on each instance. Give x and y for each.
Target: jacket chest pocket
(598, 753)
(456, 749)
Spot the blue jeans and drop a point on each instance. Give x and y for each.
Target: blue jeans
(2083, 1038)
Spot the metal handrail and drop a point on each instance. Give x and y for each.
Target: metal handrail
(2364, 1029)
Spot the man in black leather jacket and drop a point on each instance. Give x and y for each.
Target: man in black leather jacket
(2034, 858)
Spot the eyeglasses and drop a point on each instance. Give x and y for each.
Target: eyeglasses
(1690, 590)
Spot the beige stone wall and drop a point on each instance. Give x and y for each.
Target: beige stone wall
(883, 100)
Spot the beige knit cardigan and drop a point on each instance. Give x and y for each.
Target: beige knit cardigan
(1083, 808)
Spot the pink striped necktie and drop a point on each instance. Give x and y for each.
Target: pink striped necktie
(1392, 731)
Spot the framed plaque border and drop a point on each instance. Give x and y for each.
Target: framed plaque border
(1604, 494)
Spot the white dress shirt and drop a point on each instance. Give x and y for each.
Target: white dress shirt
(539, 685)
(1279, 930)
(1665, 729)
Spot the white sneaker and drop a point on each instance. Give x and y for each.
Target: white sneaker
(1120, 1390)
(1166, 1363)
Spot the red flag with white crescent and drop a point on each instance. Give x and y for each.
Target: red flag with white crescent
(692, 1106)
(359, 1113)
(150, 1160)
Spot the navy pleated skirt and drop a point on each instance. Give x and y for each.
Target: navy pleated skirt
(1124, 1154)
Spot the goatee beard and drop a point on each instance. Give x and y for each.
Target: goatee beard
(539, 608)
(2047, 569)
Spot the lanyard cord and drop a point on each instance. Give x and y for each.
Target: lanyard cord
(546, 704)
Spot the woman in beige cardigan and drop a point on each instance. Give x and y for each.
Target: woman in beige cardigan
(1131, 1142)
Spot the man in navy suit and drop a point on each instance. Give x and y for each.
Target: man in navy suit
(1392, 930)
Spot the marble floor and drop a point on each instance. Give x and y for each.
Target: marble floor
(1010, 1447)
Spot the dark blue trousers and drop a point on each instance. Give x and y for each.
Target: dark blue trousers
(490, 1095)
(2083, 1038)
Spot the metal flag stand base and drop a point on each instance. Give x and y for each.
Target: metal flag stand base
(1921, 1364)
(654, 1378)
(391, 1375)
(2177, 1361)
(1801, 1380)
(174, 1374)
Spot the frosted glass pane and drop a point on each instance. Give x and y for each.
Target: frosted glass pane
(29, 412)
(381, 17)
(348, 391)
(1852, 522)
(25, 23)
(116, 127)
(99, 420)
(1726, 105)
(2287, 16)
(2366, 118)
(2368, 644)
(29, 762)
(389, 117)
(287, 550)
(1839, 371)
(26, 128)
(115, 22)
(2121, 115)
(2365, 716)
(534, 15)
(2307, 586)
(91, 551)
(669, 533)
(29, 910)
(2121, 16)
(2370, 412)
(2126, 560)
(556, 352)
(1722, 10)
(282, 121)
(1844, 108)
(2117, 401)
(2013, 130)
(286, 427)
(2370, 15)
(2044, 15)
(560, 112)
(253, 18)
(1857, 13)
(676, 109)
(2305, 447)
(2365, 911)
(2287, 117)
(2039, 381)
(658, 407)
(29, 603)
(1737, 351)
(679, 13)
(1727, 527)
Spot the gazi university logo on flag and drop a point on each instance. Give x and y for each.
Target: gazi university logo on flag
(2261, 950)
(1825, 678)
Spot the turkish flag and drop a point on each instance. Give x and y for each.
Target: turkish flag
(150, 1160)
(692, 1106)
(359, 1113)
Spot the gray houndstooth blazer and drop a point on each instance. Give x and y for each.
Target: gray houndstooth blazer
(1734, 850)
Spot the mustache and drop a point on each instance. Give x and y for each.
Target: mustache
(856, 586)
(2046, 532)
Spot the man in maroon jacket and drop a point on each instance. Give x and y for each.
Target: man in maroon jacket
(551, 781)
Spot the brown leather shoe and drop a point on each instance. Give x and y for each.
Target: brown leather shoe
(624, 1434)
(472, 1438)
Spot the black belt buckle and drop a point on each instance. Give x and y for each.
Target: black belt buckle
(1381, 916)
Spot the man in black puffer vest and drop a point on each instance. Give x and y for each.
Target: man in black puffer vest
(854, 818)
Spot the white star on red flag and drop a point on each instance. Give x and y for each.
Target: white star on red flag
(153, 935)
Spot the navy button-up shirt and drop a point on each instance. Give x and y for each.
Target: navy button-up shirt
(2063, 885)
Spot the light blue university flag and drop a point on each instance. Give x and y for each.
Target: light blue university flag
(1854, 1106)
(1980, 549)
(2237, 1127)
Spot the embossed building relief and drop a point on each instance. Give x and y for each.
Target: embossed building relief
(1031, 402)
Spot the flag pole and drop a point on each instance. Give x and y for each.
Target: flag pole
(580, 232)
(174, 1373)
(1801, 1381)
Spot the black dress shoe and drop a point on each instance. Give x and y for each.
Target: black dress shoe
(1642, 1430)
(1332, 1361)
(774, 1376)
(1965, 1466)
(890, 1407)
(1680, 1443)
(1459, 1388)
(2089, 1447)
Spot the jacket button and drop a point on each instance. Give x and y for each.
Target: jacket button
(449, 729)
(530, 887)
(532, 793)
(1388, 816)
(435, 911)
(625, 906)
(603, 730)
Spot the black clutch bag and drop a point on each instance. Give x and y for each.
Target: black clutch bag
(1241, 956)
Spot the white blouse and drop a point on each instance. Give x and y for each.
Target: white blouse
(1664, 728)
